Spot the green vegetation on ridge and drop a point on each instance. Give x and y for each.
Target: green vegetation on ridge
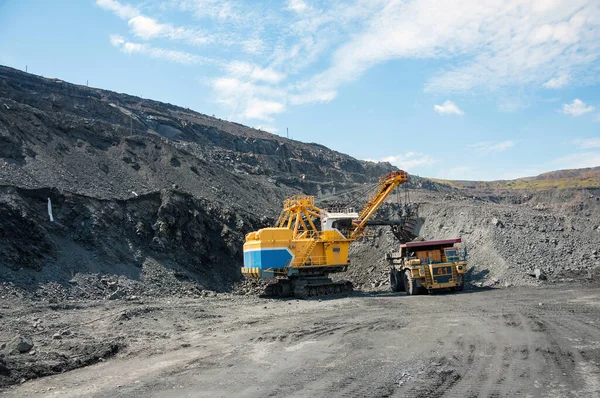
(561, 179)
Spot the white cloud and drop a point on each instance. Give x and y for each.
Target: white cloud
(577, 108)
(297, 5)
(587, 143)
(124, 11)
(116, 40)
(158, 53)
(557, 82)
(254, 46)
(218, 9)
(497, 43)
(577, 161)
(487, 147)
(313, 96)
(409, 160)
(146, 27)
(248, 99)
(260, 109)
(448, 108)
(254, 72)
(129, 47)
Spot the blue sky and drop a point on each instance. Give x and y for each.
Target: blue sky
(461, 89)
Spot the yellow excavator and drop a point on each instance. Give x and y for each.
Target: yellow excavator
(309, 243)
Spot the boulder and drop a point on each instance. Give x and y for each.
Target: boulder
(539, 274)
(21, 344)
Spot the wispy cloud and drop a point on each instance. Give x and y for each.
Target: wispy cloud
(448, 108)
(577, 161)
(577, 108)
(254, 72)
(248, 99)
(499, 43)
(487, 147)
(587, 143)
(259, 109)
(214, 9)
(148, 28)
(297, 5)
(410, 160)
(180, 57)
(557, 82)
(124, 11)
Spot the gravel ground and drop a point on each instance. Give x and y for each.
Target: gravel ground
(535, 341)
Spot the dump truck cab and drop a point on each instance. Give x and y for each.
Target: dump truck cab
(427, 266)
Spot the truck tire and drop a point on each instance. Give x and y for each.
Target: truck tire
(410, 284)
(396, 282)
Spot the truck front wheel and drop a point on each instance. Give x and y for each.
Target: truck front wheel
(396, 282)
(410, 284)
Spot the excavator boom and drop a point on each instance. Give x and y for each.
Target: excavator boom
(386, 186)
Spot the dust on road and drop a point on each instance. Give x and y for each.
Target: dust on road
(505, 342)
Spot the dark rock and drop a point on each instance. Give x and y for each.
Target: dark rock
(21, 344)
(539, 274)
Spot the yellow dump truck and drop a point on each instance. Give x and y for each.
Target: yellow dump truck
(426, 266)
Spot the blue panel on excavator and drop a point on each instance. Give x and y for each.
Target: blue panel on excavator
(268, 258)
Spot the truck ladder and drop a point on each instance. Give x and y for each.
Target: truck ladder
(307, 254)
(428, 277)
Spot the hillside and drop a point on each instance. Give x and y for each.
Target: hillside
(560, 179)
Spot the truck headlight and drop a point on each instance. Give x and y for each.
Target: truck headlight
(421, 271)
(460, 267)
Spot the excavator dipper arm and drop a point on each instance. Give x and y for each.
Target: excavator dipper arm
(386, 186)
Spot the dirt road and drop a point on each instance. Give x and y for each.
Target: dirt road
(527, 342)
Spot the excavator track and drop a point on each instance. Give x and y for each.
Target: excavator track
(304, 288)
(323, 289)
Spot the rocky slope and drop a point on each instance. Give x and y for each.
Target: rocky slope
(508, 236)
(109, 145)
